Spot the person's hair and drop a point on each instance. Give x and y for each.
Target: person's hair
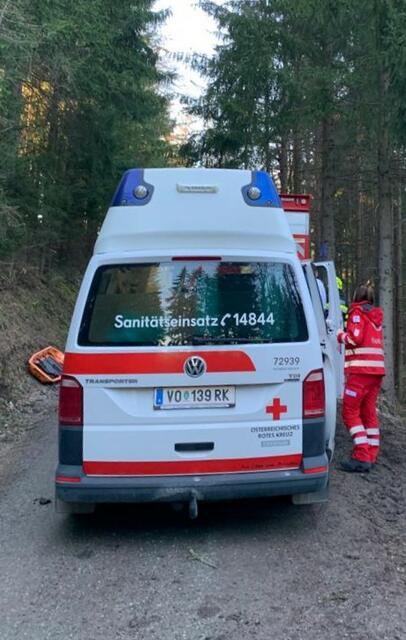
(364, 292)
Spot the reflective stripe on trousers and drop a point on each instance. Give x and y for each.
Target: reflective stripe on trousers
(373, 437)
(360, 442)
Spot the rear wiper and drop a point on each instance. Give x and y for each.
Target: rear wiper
(218, 340)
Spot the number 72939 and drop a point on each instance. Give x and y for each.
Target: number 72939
(286, 361)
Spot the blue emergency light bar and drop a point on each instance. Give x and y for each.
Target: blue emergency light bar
(262, 191)
(134, 191)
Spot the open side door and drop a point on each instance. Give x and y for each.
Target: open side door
(328, 358)
(326, 274)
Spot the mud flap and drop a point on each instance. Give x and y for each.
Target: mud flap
(315, 497)
(68, 508)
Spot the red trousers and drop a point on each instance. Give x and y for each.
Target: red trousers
(360, 416)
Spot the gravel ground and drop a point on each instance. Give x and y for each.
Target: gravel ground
(258, 570)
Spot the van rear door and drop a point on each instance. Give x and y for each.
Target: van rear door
(326, 272)
(329, 360)
(196, 366)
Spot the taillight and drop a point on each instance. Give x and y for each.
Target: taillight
(70, 402)
(313, 395)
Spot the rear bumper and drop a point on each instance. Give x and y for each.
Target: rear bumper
(72, 485)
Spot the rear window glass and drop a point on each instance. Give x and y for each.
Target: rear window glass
(193, 302)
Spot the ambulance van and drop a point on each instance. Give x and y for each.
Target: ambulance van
(198, 364)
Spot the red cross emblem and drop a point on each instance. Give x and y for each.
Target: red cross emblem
(276, 408)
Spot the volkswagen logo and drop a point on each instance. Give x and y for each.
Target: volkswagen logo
(195, 366)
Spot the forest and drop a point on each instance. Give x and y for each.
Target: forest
(81, 100)
(313, 91)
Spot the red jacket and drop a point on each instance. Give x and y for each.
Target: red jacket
(363, 340)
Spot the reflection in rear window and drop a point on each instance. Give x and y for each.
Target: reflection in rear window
(193, 302)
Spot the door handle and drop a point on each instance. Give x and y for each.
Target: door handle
(192, 447)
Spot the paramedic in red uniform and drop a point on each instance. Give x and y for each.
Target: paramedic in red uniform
(364, 371)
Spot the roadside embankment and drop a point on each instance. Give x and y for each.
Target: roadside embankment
(34, 313)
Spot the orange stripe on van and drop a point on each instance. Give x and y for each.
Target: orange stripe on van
(153, 362)
(191, 467)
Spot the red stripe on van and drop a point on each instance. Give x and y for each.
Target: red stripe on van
(191, 467)
(126, 363)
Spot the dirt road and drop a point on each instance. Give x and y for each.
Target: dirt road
(257, 570)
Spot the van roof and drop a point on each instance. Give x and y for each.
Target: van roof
(195, 209)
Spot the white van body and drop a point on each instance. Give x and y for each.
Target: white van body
(161, 401)
(297, 208)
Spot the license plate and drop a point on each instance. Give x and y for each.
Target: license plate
(193, 397)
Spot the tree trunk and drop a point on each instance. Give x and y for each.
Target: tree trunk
(283, 164)
(268, 133)
(358, 197)
(398, 287)
(296, 162)
(402, 298)
(385, 217)
(328, 237)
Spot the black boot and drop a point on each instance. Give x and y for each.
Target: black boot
(355, 466)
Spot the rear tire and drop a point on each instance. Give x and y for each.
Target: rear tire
(72, 508)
